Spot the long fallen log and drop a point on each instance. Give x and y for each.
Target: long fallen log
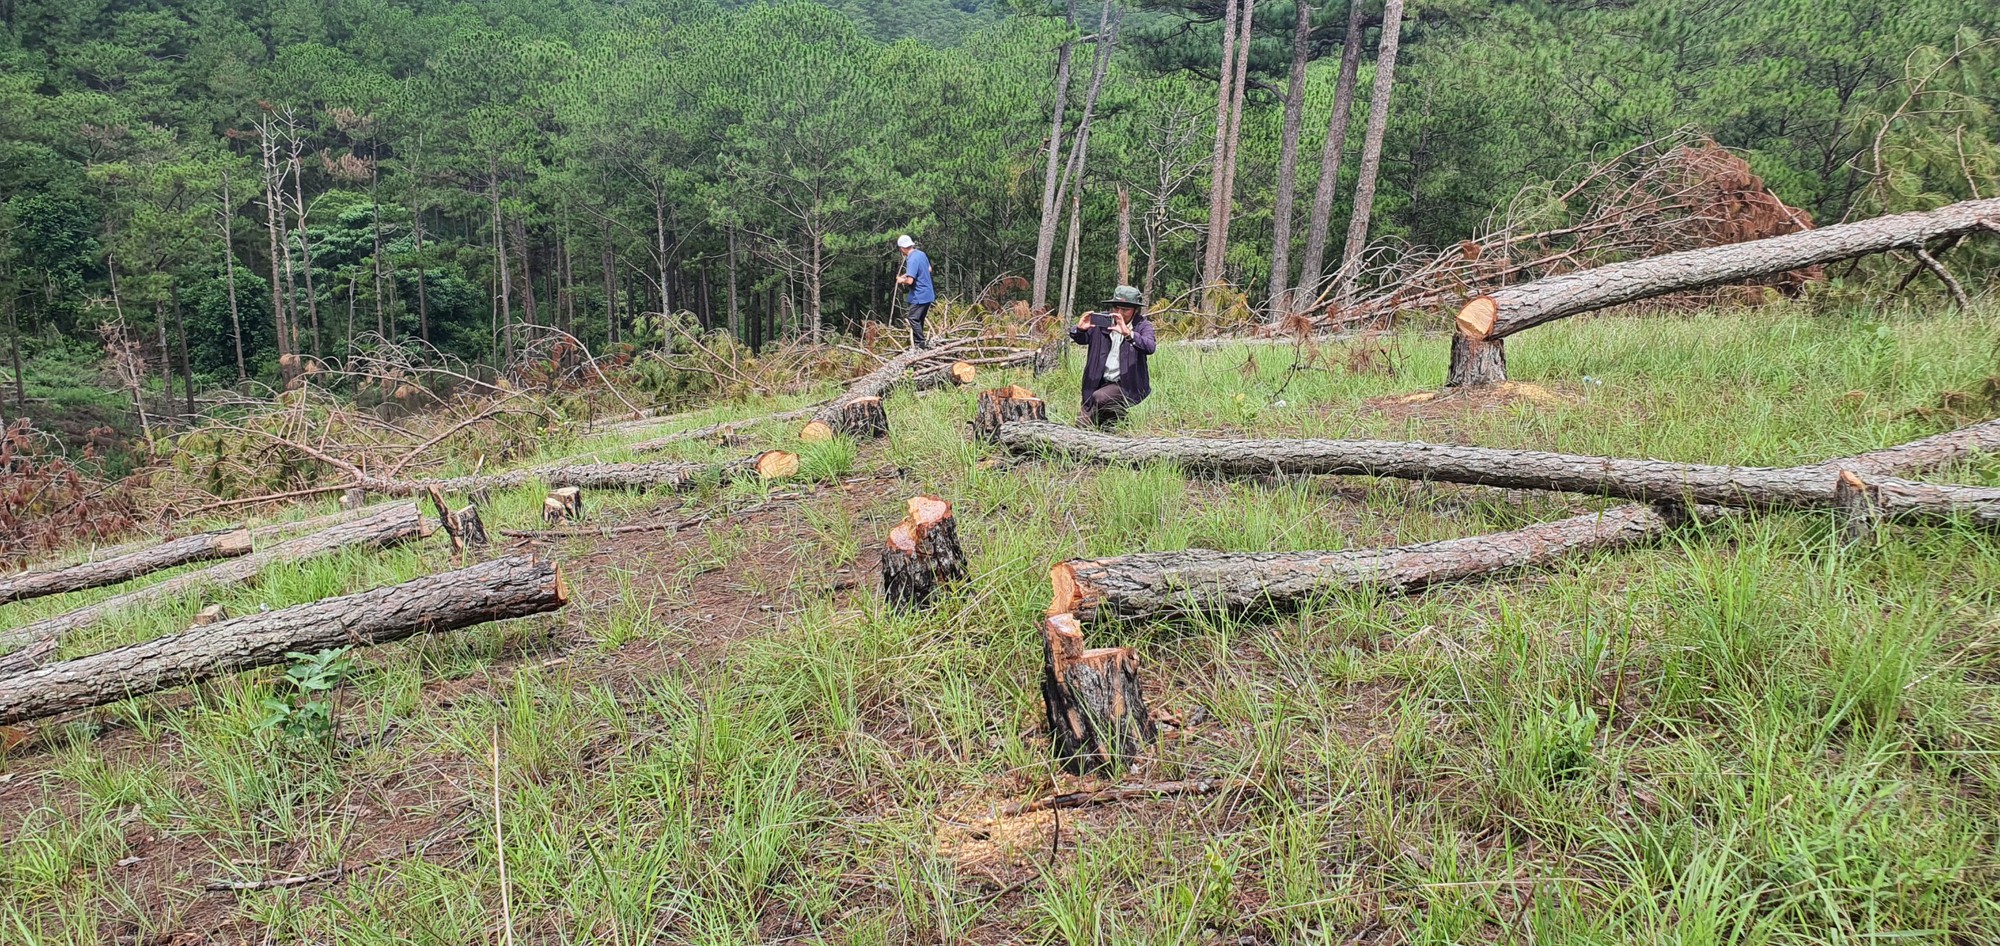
(834, 415)
(206, 546)
(1167, 584)
(387, 526)
(1801, 487)
(1479, 358)
(770, 464)
(503, 588)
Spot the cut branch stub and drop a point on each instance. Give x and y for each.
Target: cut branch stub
(1002, 405)
(563, 504)
(1096, 713)
(1860, 503)
(922, 554)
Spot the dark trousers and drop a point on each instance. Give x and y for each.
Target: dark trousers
(1105, 406)
(917, 312)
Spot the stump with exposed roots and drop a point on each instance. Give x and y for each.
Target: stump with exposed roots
(562, 505)
(1001, 405)
(922, 554)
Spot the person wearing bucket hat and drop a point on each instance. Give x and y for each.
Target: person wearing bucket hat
(916, 278)
(1114, 370)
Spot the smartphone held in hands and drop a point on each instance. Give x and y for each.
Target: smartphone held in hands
(1103, 319)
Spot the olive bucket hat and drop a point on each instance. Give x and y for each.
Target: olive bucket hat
(1127, 295)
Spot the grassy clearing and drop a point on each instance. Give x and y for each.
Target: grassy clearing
(1751, 735)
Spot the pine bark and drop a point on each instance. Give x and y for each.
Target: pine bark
(1288, 164)
(1097, 716)
(387, 526)
(1045, 236)
(1311, 275)
(1371, 148)
(638, 475)
(922, 554)
(496, 590)
(1801, 487)
(1177, 584)
(1211, 271)
(1506, 311)
(1001, 406)
(207, 546)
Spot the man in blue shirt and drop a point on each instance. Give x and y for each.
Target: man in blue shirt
(917, 276)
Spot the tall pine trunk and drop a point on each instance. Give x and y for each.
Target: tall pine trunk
(187, 367)
(1045, 235)
(1124, 236)
(1245, 23)
(609, 257)
(1331, 149)
(503, 278)
(271, 223)
(14, 351)
(1211, 271)
(423, 292)
(735, 313)
(1288, 164)
(305, 249)
(229, 274)
(1371, 150)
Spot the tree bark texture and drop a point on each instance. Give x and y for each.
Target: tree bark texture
(173, 552)
(1801, 487)
(1211, 272)
(1002, 406)
(922, 554)
(1476, 361)
(1288, 163)
(1510, 310)
(1098, 721)
(1331, 151)
(496, 590)
(385, 527)
(1172, 584)
(1371, 148)
(1045, 236)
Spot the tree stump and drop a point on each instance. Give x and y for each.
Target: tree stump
(1097, 716)
(766, 466)
(471, 532)
(922, 553)
(963, 373)
(563, 504)
(1860, 505)
(353, 498)
(210, 615)
(1049, 356)
(1476, 361)
(863, 419)
(1001, 405)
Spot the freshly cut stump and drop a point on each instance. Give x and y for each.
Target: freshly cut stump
(922, 554)
(1002, 405)
(353, 498)
(563, 504)
(210, 615)
(766, 466)
(863, 419)
(503, 588)
(1098, 720)
(963, 373)
(471, 532)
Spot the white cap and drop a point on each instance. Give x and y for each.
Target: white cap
(904, 242)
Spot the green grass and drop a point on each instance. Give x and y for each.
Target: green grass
(1748, 735)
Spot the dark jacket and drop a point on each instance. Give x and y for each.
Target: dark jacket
(1132, 377)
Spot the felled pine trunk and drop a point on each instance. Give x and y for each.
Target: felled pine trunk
(922, 554)
(1098, 721)
(1004, 405)
(496, 590)
(386, 526)
(1503, 312)
(207, 546)
(1799, 487)
(1171, 584)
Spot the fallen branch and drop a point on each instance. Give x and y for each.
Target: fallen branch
(1118, 793)
(770, 464)
(503, 588)
(1802, 487)
(387, 526)
(207, 546)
